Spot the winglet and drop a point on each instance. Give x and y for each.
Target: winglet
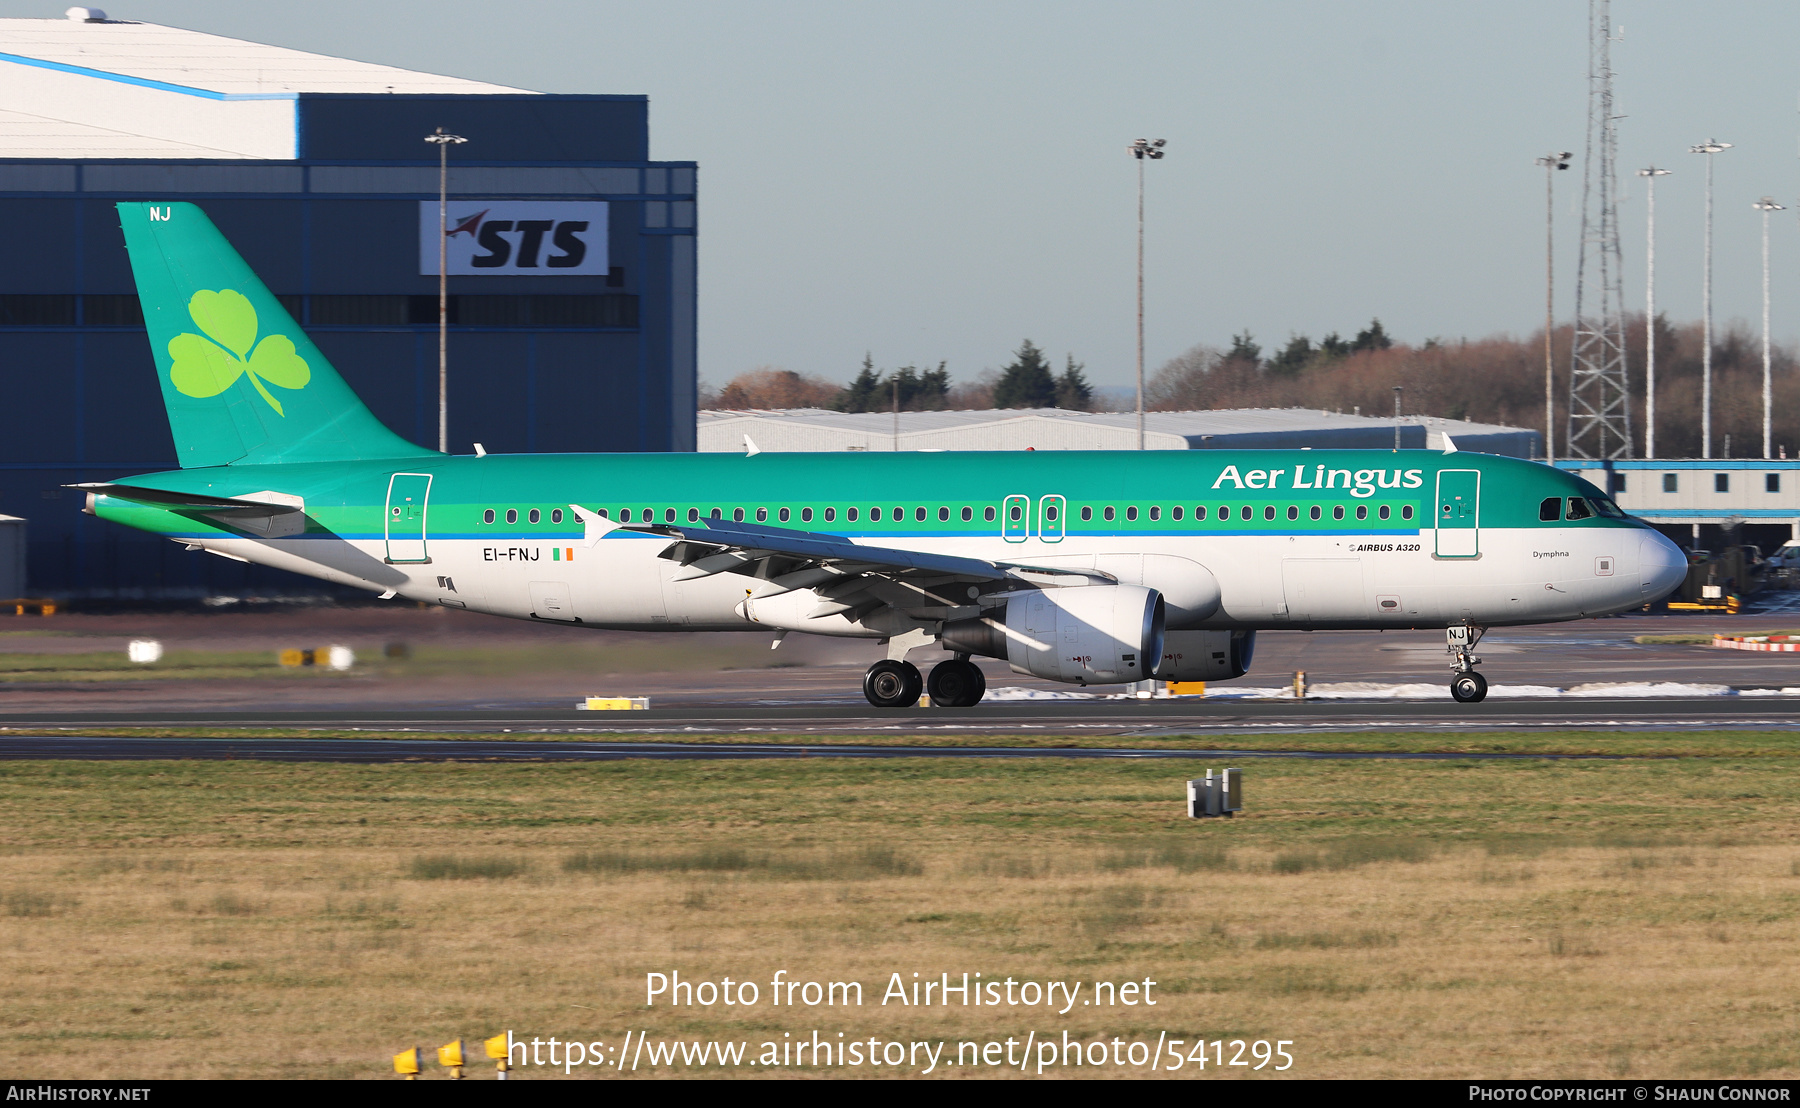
(596, 524)
(751, 450)
(1449, 445)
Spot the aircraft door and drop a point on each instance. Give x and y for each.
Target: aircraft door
(1458, 513)
(1050, 517)
(1015, 519)
(405, 529)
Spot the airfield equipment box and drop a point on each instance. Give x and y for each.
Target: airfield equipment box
(1216, 796)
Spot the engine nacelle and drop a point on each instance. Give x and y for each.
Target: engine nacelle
(1206, 655)
(1092, 634)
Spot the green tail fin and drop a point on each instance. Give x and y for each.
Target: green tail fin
(240, 379)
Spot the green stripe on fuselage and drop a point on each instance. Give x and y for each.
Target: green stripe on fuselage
(347, 499)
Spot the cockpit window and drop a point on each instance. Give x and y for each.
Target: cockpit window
(1608, 509)
(1578, 508)
(1550, 510)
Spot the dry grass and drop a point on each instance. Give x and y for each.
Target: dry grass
(1392, 919)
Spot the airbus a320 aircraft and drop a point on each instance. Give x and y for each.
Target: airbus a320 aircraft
(1081, 567)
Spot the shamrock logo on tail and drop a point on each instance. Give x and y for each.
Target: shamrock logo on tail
(211, 362)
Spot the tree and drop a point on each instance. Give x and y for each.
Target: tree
(1332, 348)
(1027, 382)
(768, 389)
(864, 393)
(1072, 389)
(1371, 337)
(1244, 349)
(1293, 358)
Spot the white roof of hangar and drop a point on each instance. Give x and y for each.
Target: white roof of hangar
(211, 63)
(118, 89)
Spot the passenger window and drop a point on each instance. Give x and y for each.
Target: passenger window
(849, 514)
(1131, 513)
(1293, 511)
(1049, 513)
(1337, 511)
(718, 514)
(1199, 511)
(806, 515)
(693, 515)
(1386, 511)
(668, 515)
(1315, 511)
(943, 515)
(1269, 511)
(875, 515)
(534, 516)
(1671, 483)
(1247, 513)
(783, 515)
(830, 514)
(1086, 513)
(919, 515)
(737, 515)
(1108, 513)
(1175, 511)
(899, 515)
(487, 516)
(988, 513)
(648, 515)
(1578, 508)
(1362, 511)
(556, 515)
(968, 514)
(1406, 511)
(762, 515)
(1550, 510)
(1014, 513)
(624, 515)
(512, 515)
(1155, 512)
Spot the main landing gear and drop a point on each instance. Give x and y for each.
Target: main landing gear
(956, 683)
(1467, 686)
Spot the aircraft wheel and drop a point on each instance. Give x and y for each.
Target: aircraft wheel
(956, 684)
(890, 684)
(1469, 687)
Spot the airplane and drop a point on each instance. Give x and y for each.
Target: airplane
(1083, 567)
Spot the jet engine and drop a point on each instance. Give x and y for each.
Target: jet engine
(1206, 655)
(1086, 634)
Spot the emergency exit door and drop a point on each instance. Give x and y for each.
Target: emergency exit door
(1458, 513)
(406, 503)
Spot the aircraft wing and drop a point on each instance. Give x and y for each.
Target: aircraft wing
(854, 579)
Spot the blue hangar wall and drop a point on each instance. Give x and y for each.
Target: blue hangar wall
(539, 361)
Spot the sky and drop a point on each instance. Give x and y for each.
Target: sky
(930, 181)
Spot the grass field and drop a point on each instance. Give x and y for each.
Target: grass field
(1450, 919)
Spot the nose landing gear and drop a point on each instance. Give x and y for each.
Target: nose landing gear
(1467, 686)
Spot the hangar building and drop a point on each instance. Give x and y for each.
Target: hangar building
(572, 290)
(1054, 429)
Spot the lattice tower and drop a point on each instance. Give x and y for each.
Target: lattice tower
(1599, 392)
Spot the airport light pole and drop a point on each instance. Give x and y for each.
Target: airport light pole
(1650, 175)
(1143, 150)
(443, 141)
(1397, 389)
(1551, 163)
(1765, 206)
(1709, 148)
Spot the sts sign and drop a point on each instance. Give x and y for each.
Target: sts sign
(516, 238)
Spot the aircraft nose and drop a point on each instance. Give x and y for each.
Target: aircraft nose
(1662, 567)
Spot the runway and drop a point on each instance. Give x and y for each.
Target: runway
(302, 749)
(1086, 718)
